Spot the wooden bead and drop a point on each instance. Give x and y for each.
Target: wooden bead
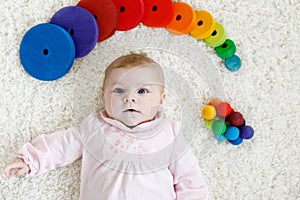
(184, 19)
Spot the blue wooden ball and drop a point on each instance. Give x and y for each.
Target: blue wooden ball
(220, 137)
(237, 141)
(232, 133)
(233, 63)
(247, 132)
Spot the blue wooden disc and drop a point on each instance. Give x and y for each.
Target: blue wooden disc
(81, 25)
(47, 52)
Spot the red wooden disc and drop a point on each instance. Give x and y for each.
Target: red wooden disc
(131, 13)
(158, 13)
(106, 14)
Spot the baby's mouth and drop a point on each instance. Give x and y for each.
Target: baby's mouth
(131, 110)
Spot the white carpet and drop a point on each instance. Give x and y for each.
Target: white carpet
(266, 90)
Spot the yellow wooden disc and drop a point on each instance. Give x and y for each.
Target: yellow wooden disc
(205, 25)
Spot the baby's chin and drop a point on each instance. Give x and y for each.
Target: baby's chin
(132, 124)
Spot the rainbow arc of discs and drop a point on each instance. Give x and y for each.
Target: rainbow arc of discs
(48, 50)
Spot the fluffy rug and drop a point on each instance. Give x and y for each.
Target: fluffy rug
(265, 89)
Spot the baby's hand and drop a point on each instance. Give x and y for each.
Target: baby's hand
(17, 167)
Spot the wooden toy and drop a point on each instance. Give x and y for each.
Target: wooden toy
(217, 37)
(227, 123)
(233, 63)
(158, 13)
(106, 15)
(224, 109)
(226, 50)
(209, 112)
(93, 21)
(236, 119)
(82, 27)
(247, 132)
(184, 19)
(205, 25)
(232, 133)
(218, 127)
(47, 52)
(130, 13)
(237, 141)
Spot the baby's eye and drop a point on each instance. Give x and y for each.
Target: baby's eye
(118, 90)
(143, 91)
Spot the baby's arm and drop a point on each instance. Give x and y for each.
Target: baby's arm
(189, 183)
(16, 167)
(46, 152)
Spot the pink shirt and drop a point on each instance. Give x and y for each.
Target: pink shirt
(149, 162)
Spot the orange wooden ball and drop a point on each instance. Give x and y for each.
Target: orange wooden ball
(215, 102)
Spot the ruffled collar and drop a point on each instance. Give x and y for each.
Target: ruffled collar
(144, 130)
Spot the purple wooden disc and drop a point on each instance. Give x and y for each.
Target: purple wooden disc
(81, 25)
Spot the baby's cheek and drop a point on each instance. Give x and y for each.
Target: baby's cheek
(154, 108)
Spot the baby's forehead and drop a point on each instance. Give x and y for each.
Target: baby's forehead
(147, 72)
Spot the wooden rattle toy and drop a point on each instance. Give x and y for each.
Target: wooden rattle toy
(225, 123)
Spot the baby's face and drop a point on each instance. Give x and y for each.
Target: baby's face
(133, 96)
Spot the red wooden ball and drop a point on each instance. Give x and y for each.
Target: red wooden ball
(224, 109)
(236, 119)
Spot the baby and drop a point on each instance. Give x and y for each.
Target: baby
(129, 150)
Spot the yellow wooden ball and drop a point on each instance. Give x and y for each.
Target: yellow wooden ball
(209, 112)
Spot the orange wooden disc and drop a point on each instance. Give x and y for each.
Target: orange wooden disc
(205, 25)
(158, 13)
(184, 19)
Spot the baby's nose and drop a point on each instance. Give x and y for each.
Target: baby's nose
(130, 99)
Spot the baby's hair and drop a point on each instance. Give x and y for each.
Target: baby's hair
(130, 61)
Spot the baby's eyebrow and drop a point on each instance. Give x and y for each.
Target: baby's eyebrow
(117, 84)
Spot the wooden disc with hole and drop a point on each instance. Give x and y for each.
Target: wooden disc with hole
(81, 25)
(184, 19)
(47, 52)
(131, 13)
(226, 50)
(106, 15)
(217, 37)
(205, 25)
(158, 13)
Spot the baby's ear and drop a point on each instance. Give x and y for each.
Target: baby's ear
(102, 92)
